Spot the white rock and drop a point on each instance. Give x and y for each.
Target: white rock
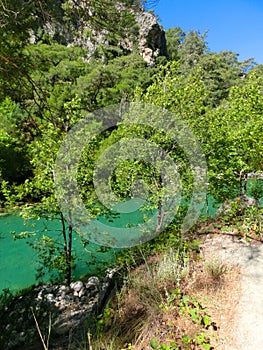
(82, 292)
(75, 293)
(76, 286)
(50, 297)
(93, 282)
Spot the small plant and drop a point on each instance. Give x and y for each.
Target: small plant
(216, 268)
(188, 305)
(173, 267)
(191, 307)
(200, 339)
(5, 296)
(104, 320)
(156, 346)
(171, 301)
(243, 217)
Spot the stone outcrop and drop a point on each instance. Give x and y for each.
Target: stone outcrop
(64, 309)
(148, 39)
(151, 40)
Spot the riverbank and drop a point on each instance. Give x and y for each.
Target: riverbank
(195, 299)
(192, 291)
(207, 299)
(54, 316)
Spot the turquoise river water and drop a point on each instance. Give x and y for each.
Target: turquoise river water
(19, 260)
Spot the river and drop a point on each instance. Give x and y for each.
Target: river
(19, 261)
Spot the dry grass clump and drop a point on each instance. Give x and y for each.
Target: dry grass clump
(217, 285)
(216, 268)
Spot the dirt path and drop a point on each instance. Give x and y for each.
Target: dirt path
(245, 328)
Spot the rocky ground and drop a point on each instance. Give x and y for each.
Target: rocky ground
(61, 309)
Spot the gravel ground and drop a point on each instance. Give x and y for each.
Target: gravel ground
(247, 326)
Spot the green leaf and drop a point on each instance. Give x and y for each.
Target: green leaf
(154, 343)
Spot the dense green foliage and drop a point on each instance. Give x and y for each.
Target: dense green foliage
(46, 87)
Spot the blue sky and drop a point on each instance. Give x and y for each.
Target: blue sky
(235, 25)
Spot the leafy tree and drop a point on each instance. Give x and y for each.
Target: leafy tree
(39, 194)
(114, 82)
(257, 70)
(233, 142)
(191, 49)
(186, 47)
(220, 71)
(183, 95)
(138, 168)
(174, 39)
(56, 70)
(14, 160)
(230, 134)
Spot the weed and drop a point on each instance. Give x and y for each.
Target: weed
(6, 296)
(216, 268)
(156, 346)
(45, 345)
(173, 268)
(200, 339)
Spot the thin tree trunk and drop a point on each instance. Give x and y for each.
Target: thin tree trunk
(67, 245)
(69, 256)
(64, 234)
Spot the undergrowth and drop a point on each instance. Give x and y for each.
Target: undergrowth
(157, 307)
(245, 222)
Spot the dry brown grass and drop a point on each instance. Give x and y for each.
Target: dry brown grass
(220, 296)
(136, 316)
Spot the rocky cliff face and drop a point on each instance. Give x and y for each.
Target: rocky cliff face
(151, 40)
(146, 37)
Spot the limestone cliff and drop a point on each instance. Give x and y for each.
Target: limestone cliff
(145, 36)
